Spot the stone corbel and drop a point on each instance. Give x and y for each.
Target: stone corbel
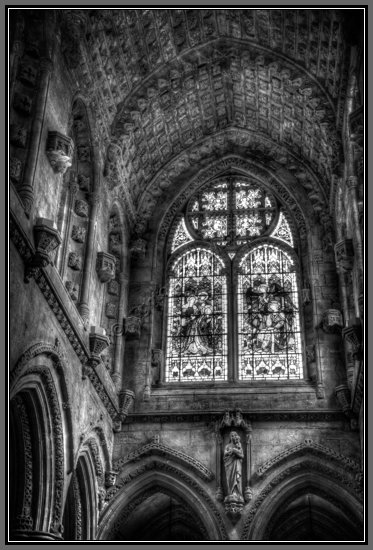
(59, 151)
(98, 342)
(47, 239)
(126, 399)
(105, 266)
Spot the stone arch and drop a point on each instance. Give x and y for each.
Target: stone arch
(154, 475)
(38, 421)
(302, 474)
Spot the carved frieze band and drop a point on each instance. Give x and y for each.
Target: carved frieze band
(41, 278)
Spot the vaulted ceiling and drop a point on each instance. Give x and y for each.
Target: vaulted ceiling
(173, 89)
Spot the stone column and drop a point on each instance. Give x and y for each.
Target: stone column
(91, 234)
(26, 190)
(16, 53)
(118, 354)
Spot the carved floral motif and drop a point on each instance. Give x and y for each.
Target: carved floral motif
(59, 151)
(74, 261)
(81, 208)
(78, 233)
(105, 266)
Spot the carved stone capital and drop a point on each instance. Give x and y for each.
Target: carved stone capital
(105, 266)
(59, 151)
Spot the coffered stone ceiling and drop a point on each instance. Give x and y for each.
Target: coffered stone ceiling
(173, 88)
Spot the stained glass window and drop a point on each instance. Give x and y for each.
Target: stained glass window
(197, 318)
(181, 235)
(268, 316)
(282, 230)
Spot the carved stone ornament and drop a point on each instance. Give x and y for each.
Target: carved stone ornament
(84, 153)
(113, 287)
(110, 478)
(343, 396)
(84, 182)
(73, 290)
(59, 151)
(15, 169)
(27, 73)
(132, 327)
(81, 208)
(74, 261)
(47, 239)
(115, 244)
(306, 295)
(138, 249)
(111, 310)
(18, 135)
(353, 335)
(344, 254)
(105, 266)
(78, 233)
(126, 399)
(98, 342)
(22, 103)
(157, 357)
(332, 321)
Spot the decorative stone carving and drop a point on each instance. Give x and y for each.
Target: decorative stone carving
(47, 239)
(74, 261)
(132, 327)
(78, 233)
(110, 477)
(157, 357)
(344, 255)
(306, 295)
(111, 310)
(84, 182)
(138, 249)
(18, 135)
(343, 396)
(107, 361)
(113, 287)
(15, 169)
(27, 73)
(81, 208)
(115, 243)
(332, 321)
(73, 290)
(98, 342)
(353, 335)
(22, 103)
(105, 266)
(59, 151)
(311, 361)
(84, 153)
(112, 164)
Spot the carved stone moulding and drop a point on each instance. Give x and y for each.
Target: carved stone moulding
(105, 266)
(132, 328)
(344, 254)
(47, 239)
(332, 321)
(59, 151)
(98, 342)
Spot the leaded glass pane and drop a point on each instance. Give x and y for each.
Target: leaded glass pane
(181, 235)
(197, 320)
(282, 230)
(268, 324)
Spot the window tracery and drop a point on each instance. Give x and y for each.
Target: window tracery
(227, 215)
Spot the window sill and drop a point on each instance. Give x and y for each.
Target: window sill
(264, 386)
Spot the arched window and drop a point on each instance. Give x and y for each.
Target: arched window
(233, 304)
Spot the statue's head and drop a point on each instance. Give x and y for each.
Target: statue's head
(235, 438)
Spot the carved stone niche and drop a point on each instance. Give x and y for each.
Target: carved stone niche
(59, 151)
(105, 266)
(344, 255)
(98, 342)
(233, 462)
(132, 327)
(47, 239)
(332, 321)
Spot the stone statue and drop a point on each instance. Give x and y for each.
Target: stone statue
(233, 455)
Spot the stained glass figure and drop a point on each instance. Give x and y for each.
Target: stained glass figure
(197, 323)
(282, 230)
(181, 235)
(269, 331)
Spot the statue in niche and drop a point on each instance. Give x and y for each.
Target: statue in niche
(233, 457)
